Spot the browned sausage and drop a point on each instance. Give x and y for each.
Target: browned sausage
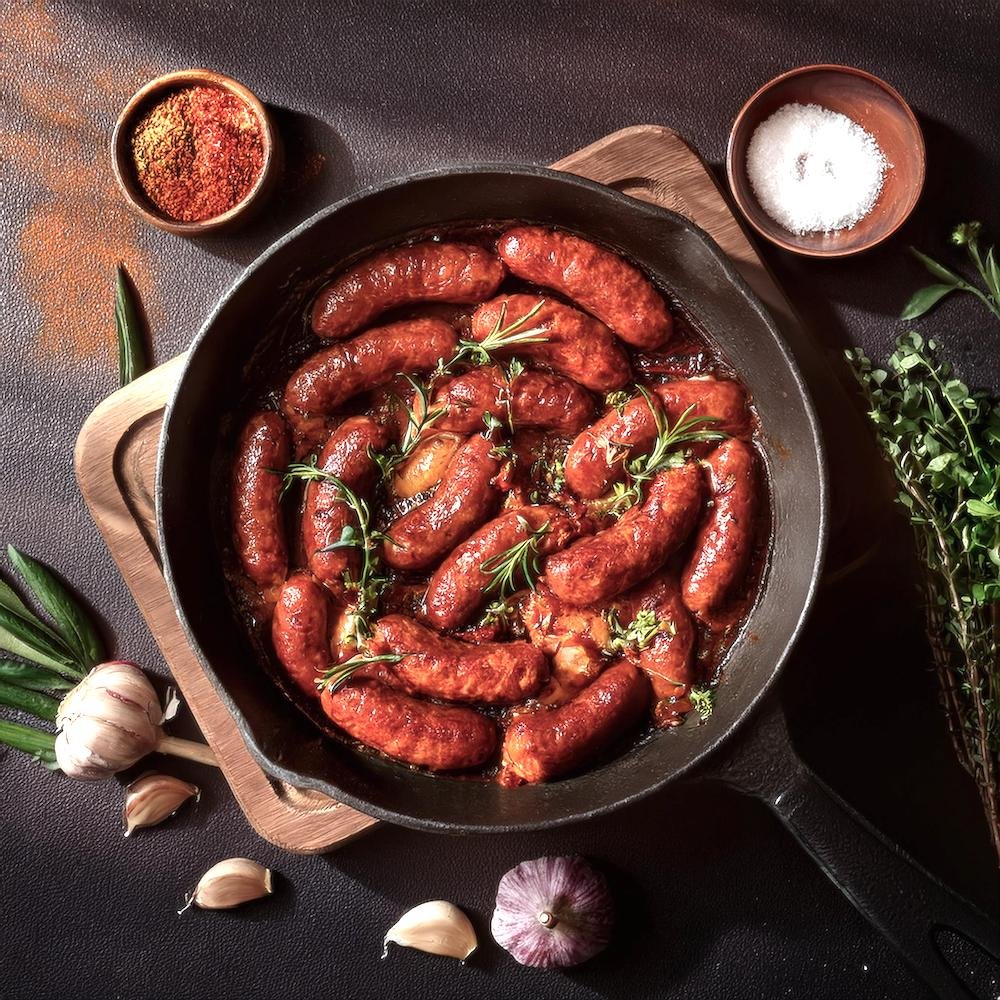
(603, 283)
(421, 272)
(458, 587)
(262, 453)
(575, 344)
(439, 737)
(531, 400)
(598, 455)
(669, 659)
(325, 515)
(489, 673)
(332, 376)
(299, 631)
(597, 568)
(464, 498)
(724, 544)
(547, 744)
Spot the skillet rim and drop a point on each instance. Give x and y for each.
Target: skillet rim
(627, 205)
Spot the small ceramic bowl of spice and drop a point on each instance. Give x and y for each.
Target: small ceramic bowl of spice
(195, 152)
(826, 161)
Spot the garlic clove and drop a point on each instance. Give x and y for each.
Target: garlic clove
(153, 798)
(228, 884)
(438, 927)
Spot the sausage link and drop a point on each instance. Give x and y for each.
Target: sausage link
(597, 457)
(488, 673)
(601, 281)
(458, 587)
(421, 272)
(724, 544)
(332, 376)
(438, 737)
(264, 449)
(532, 399)
(464, 498)
(299, 631)
(547, 744)
(325, 515)
(597, 568)
(575, 344)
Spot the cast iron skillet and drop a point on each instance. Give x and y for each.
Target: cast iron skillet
(247, 337)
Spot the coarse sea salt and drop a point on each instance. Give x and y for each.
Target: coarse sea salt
(814, 170)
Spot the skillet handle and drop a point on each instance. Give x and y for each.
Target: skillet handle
(915, 912)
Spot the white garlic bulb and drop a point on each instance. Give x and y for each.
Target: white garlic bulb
(107, 722)
(438, 927)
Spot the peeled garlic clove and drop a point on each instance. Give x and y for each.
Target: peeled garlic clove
(153, 798)
(438, 927)
(230, 883)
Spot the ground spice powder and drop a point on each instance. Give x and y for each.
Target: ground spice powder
(197, 152)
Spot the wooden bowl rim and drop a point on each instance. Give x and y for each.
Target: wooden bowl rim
(919, 154)
(121, 159)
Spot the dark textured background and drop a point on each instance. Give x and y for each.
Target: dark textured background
(716, 900)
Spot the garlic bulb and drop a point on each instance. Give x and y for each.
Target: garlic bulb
(553, 912)
(228, 884)
(110, 720)
(153, 798)
(438, 927)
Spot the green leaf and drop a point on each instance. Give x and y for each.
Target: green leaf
(939, 271)
(41, 745)
(980, 509)
(25, 700)
(20, 637)
(940, 462)
(924, 300)
(36, 678)
(131, 349)
(74, 624)
(993, 275)
(10, 599)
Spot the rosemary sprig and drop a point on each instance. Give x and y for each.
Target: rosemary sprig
(131, 349)
(418, 420)
(617, 399)
(340, 673)
(521, 562)
(667, 452)
(702, 701)
(370, 582)
(639, 633)
(500, 338)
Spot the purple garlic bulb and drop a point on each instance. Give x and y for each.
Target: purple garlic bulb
(553, 912)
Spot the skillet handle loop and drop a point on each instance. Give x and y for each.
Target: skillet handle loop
(922, 918)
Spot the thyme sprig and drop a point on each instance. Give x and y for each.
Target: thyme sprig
(667, 452)
(340, 673)
(371, 581)
(517, 567)
(501, 338)
(418, 420)
(943, 444)
(639, 633)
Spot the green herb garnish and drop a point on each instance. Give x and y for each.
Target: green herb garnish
(516, 567)
(500, 338)
(417, 422)
(131, 348)
(618, 400)
(702, 701)
(340, 673)
(639, 633)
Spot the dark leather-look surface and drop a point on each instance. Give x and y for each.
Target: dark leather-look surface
(716, 900)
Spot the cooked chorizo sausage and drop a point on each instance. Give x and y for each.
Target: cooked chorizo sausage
(299, 631)
(597, 457)
(601, 281)
(458, 587)
(597, 568)
(575, 344)
(327, 379)
(325, 514)
(262, 453)
(421, 272)
(532, 399)
(488, 673)
(464, 498)
(439, 737)
(724, 545)
(547, 744)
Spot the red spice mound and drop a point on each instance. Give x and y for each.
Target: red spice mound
(197, 152)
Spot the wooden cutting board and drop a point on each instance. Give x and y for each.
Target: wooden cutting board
(116, 470)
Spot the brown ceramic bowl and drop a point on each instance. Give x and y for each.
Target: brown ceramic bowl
(879, 110)
(121, 156)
